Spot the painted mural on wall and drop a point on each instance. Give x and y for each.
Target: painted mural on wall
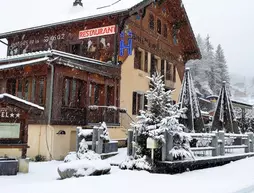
(98, 47)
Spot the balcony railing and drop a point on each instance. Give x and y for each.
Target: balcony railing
(108, 114)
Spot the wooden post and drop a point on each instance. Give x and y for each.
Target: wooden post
(25, 139)
(247, 143)
(99, 147)
(222, 142)
(94, 138)
(215, 152)
(129, 142)
(169, 147)
(251, 137)
(77, 139)
(164, 151)
(134, 142)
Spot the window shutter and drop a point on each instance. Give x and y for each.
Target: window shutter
(134, 106)
(145, 102)
(146, 62)
(162, 68)
(136, 58)
(153, 64)
(174, 73)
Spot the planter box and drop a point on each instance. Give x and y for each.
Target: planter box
(109, 147)
(8, 167)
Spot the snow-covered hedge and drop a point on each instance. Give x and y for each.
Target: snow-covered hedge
(84, 167)
(138, 164)
(83, 163)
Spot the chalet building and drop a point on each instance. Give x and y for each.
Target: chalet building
(85, 62)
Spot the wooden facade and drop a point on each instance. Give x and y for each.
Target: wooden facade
(78, 82)
(76, 86)
(14, 114)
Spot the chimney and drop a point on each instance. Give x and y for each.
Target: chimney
(78, 2)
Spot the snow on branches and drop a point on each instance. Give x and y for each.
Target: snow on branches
(161, 116)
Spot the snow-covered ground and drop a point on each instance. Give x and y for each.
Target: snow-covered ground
(43, 178)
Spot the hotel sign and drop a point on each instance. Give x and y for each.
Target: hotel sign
(5, 114)
(101, 31)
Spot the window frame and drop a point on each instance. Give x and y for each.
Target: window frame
(138, 102)
(151, 21)
(158, 24)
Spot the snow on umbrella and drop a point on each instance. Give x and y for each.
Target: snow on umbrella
(224, 118)
(188, 99)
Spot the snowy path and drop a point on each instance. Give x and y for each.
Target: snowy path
(237, 177)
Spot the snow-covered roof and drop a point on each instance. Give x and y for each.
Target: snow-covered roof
(19, 64)
(29, 55)
(235, 102)
(62, 58)
(24, 14)
(5, 95)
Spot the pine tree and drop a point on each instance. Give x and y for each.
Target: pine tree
(209, 72)
(161, 116)
(221, 65)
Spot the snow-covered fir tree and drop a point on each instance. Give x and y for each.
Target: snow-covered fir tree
(161, 116)
(105, 135)
(208, 72)
(245, 119)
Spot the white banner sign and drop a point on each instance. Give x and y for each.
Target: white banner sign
(101, 31)
(9, 130)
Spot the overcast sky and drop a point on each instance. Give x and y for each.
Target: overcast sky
(228, 22)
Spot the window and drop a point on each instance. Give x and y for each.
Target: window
(31, 89)
(137, 102)
(165, 31)
(159, 26)
(66, 92)
(138, 60)
(96, 94)
(75, 49)
(141, 60)
(72, 92)
(41, 91)
(153, 65)
(151, 21)
(110, 95)
(168, 71)
(11, 86)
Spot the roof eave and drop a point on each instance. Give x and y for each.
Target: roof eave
(198, 53)
(129, 11)
(8, 34)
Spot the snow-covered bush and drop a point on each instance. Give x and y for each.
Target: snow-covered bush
(83, 163)
(181, 146)
(105, 135)
(83, 153)
(161, 116)
(138, 164)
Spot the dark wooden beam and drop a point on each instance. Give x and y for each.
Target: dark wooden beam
(3, 42)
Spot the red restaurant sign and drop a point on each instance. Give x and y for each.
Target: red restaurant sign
(101, 31)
